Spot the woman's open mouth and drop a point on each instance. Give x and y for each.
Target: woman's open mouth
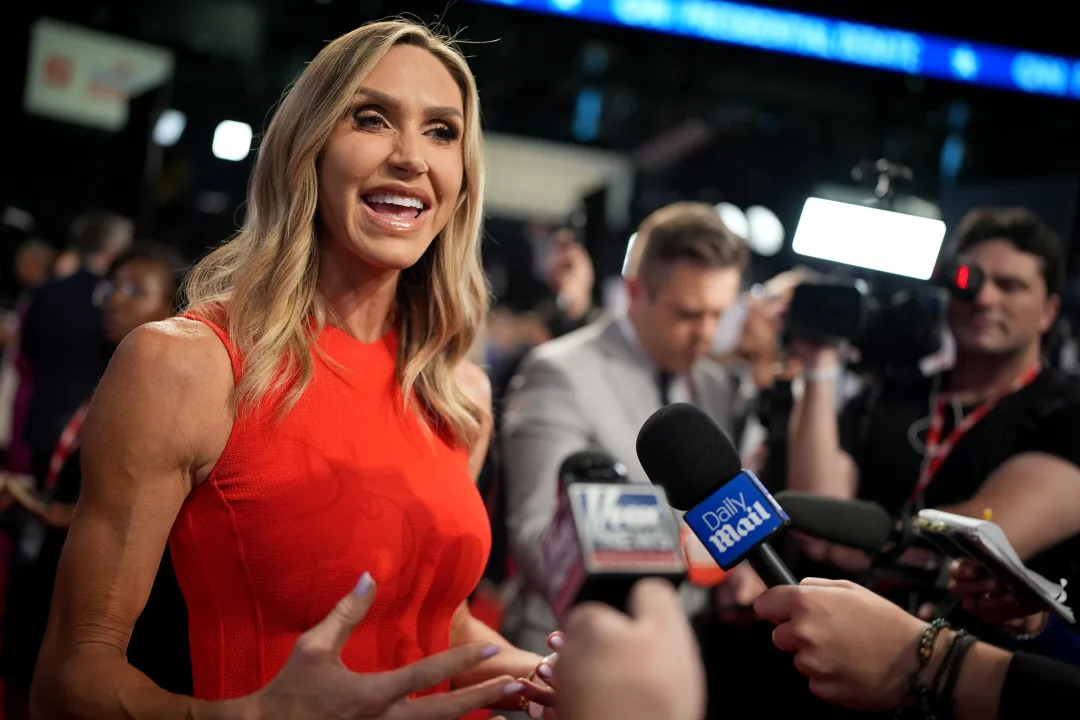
(397, 206)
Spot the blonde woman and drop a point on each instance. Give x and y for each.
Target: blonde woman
(302, 434)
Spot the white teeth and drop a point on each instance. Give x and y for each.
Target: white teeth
(402, 200)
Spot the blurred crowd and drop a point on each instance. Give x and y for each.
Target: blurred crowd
(75, 306)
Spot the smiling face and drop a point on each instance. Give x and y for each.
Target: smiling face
(392, 173)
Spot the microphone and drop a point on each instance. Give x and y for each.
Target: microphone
(865, 526)
(686, 453)
(853, 523)
(858, 524)
(606, 535)
(592, 465)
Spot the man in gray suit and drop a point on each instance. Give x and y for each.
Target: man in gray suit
(595, 387)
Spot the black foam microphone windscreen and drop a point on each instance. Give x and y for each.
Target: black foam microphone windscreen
(686, 453)
(853, 523)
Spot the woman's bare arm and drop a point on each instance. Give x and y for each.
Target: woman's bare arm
(157, 424)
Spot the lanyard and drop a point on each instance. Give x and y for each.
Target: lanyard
(937, 450)
(69, 440)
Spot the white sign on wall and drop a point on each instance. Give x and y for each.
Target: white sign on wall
(546, 181)
(85, 77)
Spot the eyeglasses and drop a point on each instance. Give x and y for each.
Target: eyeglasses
(127, 290)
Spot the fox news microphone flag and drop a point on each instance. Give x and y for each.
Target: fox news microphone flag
(606, 534)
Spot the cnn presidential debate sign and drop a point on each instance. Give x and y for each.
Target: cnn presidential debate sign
(831, 39)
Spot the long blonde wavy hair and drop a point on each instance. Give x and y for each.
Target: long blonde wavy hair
(262, 283)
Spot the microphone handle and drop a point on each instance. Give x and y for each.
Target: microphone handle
(769, 567)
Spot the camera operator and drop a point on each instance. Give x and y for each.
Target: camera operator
(997, 432)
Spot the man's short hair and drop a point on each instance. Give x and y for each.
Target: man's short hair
(683, 232)
(100, 230)
(1021, 227)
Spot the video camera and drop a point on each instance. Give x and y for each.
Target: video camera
(896, 327)
(890, 331)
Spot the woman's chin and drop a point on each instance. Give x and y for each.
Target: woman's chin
(393, 255)
(364, 256)
(396, 262)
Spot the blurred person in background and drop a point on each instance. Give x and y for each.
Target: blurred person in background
(996, 431)
(508, 332)
(567, 272)
(595, 387)
(63, 339)
(750, 346)
(142, 287)
(307, 433)
(33, 263)
(68, 262)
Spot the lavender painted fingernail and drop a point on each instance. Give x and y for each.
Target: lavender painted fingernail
(556, 642)
(489, 652)
(513, 688)
(364, 585)
(545, 671)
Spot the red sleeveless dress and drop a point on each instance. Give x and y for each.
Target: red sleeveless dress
(299, 507)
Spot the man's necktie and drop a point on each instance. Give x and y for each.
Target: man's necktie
(663, 381)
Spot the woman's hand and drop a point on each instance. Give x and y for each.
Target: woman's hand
(19, 489)
(537, 696)
(540, 683)
(315, 684)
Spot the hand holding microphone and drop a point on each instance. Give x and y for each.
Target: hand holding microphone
(845, 533)
(857, 649)
(686, 453)
(641, 665)
(606, 535)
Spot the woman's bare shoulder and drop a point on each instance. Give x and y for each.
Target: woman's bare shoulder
(169, 387)
(178, 349)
